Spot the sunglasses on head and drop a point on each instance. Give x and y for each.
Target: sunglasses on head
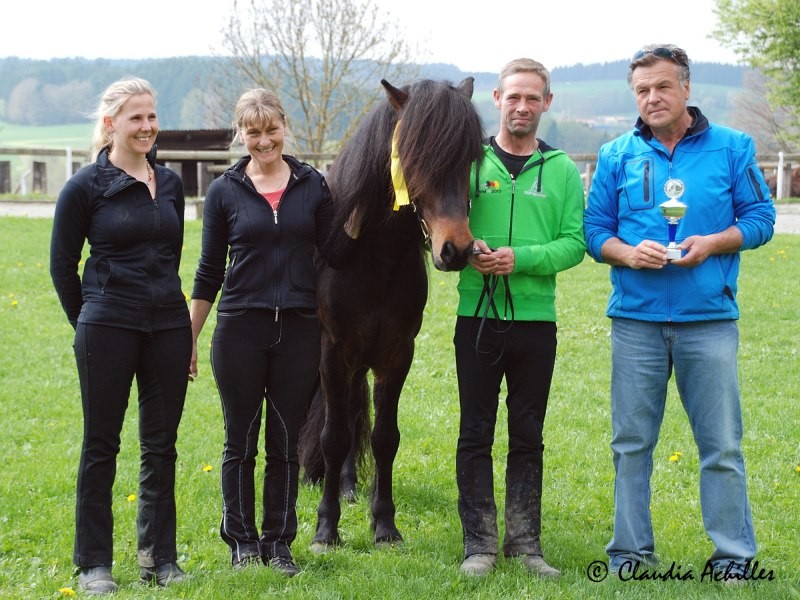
(660, 52)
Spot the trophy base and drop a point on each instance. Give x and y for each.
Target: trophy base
(674, 253)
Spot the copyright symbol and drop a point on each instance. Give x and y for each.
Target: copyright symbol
(597, 571)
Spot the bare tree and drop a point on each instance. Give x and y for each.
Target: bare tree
(325, 58)
(754, 114)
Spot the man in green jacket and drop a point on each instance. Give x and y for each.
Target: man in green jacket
(527, 217)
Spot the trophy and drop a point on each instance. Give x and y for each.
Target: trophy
(673, 209)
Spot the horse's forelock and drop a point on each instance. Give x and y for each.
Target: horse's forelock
(440, 135)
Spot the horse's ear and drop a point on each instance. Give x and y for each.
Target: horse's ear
(397, 98)
(466, 87)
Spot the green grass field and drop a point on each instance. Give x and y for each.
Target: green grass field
(77, 136)
(40, 436)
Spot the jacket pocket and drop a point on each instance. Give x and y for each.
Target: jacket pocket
(103, 273)
(637, 185)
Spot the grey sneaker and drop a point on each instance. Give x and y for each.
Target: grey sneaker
(478, 564)
(537, 565)
(162, 575)
(97, 580)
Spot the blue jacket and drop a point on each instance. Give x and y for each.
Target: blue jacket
(724, 187)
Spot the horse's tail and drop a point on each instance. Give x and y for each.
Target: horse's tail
(362, 428)
(309, 449)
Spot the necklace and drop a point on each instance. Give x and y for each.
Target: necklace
(149, 172)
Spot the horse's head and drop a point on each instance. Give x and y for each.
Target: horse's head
(438, 139)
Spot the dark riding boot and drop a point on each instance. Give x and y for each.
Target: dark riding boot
(523, 511)
(477, 510)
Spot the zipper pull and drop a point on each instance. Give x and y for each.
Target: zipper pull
(277, 310)
(275, 215)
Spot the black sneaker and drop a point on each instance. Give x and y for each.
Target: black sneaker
(163, 575)
(248, 560)
(284, 565)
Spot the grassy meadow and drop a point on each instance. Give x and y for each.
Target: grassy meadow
(40, 436)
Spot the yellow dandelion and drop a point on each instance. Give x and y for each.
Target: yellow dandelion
(10, 294)
(66, 591)
(131, 497)
(14, 302)
(207, 468)
(39, 265)
(676, 456)
(20, 264)
(797, 469)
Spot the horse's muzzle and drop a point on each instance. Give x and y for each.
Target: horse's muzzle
(451, 258)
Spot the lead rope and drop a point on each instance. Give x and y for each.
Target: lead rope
(489, 287)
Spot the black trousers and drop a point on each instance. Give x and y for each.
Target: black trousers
(524, 354)
(108, 359)
(260, 361)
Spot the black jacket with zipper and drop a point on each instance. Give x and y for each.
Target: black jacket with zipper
(130, 278)
(262, 258)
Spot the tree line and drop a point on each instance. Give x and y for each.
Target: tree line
(64, 91)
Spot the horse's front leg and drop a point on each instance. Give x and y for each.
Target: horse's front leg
(385, 442)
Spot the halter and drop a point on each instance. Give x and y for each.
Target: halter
(401, 195)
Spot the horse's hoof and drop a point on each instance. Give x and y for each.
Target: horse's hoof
(388, 539)
(321, 547)
(388, 544)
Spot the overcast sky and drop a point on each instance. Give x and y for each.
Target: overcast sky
(465, 33)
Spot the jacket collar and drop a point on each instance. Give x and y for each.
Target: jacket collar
(699, 123)
(237, 171)
(113, 179)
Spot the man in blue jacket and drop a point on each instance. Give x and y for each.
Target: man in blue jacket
(676, 313)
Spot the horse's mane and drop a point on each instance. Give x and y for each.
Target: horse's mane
(359, 177)
(440, 134)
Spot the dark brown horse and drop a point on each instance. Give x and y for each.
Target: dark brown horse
(374, 285)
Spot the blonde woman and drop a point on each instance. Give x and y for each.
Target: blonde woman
(131, 321)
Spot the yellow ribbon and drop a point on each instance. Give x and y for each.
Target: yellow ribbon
(398, 179)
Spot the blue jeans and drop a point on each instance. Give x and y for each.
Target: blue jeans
(703, 356)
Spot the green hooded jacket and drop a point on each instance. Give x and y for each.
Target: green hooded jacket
(540, 216)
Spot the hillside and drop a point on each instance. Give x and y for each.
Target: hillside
(592, 103)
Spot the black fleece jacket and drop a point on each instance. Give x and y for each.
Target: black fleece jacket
(260, 258)
(130, 279)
